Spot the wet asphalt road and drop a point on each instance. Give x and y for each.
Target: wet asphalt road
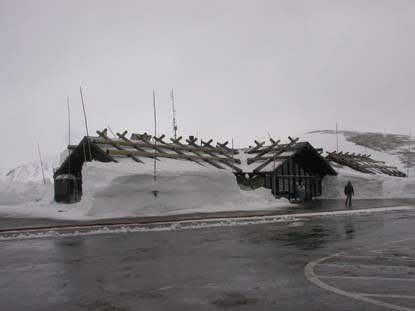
(228, 268)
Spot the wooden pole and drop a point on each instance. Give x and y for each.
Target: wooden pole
(69, 134)
(174, 115)
(337, 139)
(409, 153)
(41, 164)
(155, 135)
(232, 152)
(337, 144)
(86, 124)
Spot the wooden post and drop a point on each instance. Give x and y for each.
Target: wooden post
(174, 115)
(337, 144)
(409, 153)
(337, 139)
(155, 135)
(232, 150)
(69, 135)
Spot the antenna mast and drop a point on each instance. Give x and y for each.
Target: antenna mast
(69, 134)
(174, 115)
(337, 139)
(409, 154)
(155, 135)
(337, 143)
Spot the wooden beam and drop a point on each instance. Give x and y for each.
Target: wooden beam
(177, 142)
(226, 148)
(117, 152)
(125, 139)
(134, 144)
(103, 134)
(267, 149)
(223, 161)
(277, 148)
(258, 145)
(161, 141)
(292, 143)
(230, 158)
(143, 137)
(207, 143)
(218, 150)
(252, 160)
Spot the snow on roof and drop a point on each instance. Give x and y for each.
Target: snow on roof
(142, 148)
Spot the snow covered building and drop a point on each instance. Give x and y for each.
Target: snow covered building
(68, 177)
(293, 170)
(138, 148)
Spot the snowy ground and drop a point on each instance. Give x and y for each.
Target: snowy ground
(126, 189)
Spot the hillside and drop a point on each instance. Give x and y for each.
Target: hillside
(380, 145)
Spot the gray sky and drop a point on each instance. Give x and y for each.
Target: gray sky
(239, 68)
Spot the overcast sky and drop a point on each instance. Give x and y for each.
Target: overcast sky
(239, 69)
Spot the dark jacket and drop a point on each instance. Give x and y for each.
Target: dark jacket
(348, 190)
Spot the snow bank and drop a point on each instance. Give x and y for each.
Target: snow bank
(127, 189)
(111, 191)
(367, 186)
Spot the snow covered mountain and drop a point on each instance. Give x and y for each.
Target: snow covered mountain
(32, 171)
(391, 148)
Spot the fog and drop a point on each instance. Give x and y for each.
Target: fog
(239, 69)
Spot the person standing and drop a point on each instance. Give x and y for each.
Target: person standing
(349, 192)
(301, 191)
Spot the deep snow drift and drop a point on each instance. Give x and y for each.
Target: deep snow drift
(125, 189)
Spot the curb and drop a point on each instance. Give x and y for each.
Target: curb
(212, 218)
(132, 223)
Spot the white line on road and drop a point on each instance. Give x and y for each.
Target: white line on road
(315, 279)
(348, 277)
(378, 257)
(387, 296)
(368, 266)
(312, 277)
